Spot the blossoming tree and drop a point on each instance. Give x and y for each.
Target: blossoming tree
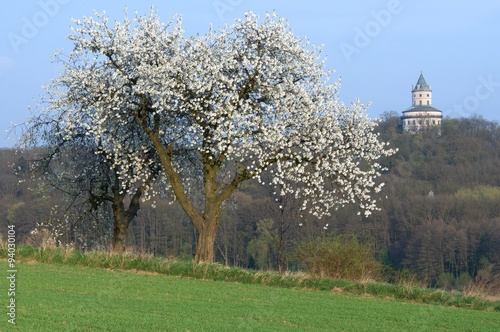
(217, 110)
(63, 154)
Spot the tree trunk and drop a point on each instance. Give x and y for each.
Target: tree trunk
(206, 224)
(123, 218)
(281, 244)
(120, 233)
(205, 239)
(120, 224)
(205, 242)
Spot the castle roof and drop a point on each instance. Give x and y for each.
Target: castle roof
(419, 108)
(421, 84)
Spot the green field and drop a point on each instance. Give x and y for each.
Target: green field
(67, 298)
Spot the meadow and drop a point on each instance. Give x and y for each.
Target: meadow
(70, 297)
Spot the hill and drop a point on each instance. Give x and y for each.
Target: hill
(62, 297)
(439, 217)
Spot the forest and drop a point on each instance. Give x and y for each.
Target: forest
(439, 217)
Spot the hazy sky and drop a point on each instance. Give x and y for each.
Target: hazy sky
(378, 47)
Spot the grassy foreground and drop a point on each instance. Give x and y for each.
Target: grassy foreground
(73, 298)
(58, 289)
(217, 272)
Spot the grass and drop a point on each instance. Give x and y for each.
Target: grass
(56, 297)
(217, 272)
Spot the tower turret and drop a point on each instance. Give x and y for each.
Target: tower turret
(421, 92)
(421, 115)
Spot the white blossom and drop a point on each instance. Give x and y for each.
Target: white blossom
(238, 101)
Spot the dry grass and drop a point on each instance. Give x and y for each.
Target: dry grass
(486, 284)
(41, 239)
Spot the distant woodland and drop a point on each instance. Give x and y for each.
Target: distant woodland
(439, 219)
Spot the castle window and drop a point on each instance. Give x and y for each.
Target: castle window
(420, 102)
(428, 95)
(433, 122)
(428, 102)
(413, 122)
(420, 95)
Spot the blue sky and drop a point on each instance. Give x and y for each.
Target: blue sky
(378, 47)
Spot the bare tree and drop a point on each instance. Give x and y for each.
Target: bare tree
(71, 160)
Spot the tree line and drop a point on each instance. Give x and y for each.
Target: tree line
(439, 212)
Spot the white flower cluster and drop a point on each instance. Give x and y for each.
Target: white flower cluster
(221, 107)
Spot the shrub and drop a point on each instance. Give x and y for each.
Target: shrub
(341, 257)
(407, 277)
(42, 238)
(485, 284)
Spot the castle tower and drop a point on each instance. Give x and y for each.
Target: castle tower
(421, 115)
